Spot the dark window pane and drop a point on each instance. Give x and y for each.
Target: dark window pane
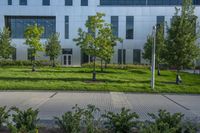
(22, 2)
(84, 2)
(160, 20)
(129, 27)
(66, 27)
(114, 24)
(144, 2)
(66, 51)
(120, 56)
(30, 54)
(18, 24)
(9, 2)
(136, 56)
(45, 2)
(68, 2)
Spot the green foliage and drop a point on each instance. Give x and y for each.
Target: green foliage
(70, 121)
(117, 66)
(4, 114)
(74, 121)
(160, 43)
(24, 63)
(5, 44)
(164, 123)
(181, 46)
(98, 41)
(32, 35)
(24, 121)
(122, 122)
(89, 119)
(53, 47)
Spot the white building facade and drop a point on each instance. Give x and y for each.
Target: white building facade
(132, 21)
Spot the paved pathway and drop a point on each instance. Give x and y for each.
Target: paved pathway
(56, 103)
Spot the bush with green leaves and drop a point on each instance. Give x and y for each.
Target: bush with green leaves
(164, 122)
(123, 122)
(4, 115)
(70, 121)
(79, 119)
(24, 121)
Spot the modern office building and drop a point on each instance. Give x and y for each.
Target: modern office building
(131, 20)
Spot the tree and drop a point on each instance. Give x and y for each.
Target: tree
(160, 43)
(98, 41)
(32, 35)
(181, 46)
(53, 47)
(6, 49)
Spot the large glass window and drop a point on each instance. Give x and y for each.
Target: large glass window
(22, 2)
(121, 56)
(84, 2)
(18, 24)
(144, 2)
(66, 27)
(129, 27)
(68, 2)
(9, 2)
(45, 2)
(114, 24)
(136, 56)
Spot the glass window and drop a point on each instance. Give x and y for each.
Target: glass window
(66, 27)
(30, 54)
(68, 2)
(45, 2)
(67, 51)
(84, 2)
(120, 56)
(144, 2)
(129, 27)
(136, 56)
(22, 2)
(18, 24)
(160, 20)
(9, 2)
(114, 24)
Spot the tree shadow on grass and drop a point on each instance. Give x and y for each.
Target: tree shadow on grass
(67, 79)
(138, 71)
(71, 71)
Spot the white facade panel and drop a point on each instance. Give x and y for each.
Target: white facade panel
(144, 19)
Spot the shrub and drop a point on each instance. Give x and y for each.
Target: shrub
(164, 122)
(3, 116)
(70, 121)
(24, 121)
(89, 120)
(118, 66)
(24, 63)
(122, 122)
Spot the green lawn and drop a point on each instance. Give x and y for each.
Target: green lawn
(132, 80)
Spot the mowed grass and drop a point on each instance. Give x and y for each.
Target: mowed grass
(132, 80)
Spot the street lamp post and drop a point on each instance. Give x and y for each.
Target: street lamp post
(153, 59)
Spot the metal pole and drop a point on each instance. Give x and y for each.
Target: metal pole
(122, 56)
(153, 59)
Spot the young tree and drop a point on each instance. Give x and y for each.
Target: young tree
(98, 41)
(160, 43)
(32, 35)
(181, 46)
(5, 44)
(53, 47)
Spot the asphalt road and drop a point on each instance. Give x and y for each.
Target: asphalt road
(52, 104)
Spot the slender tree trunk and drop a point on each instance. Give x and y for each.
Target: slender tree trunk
(159, 69)
(178, 78)
(94, 69)
(53, 65)
(105, 66)
(33, 66)
(101, 65)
